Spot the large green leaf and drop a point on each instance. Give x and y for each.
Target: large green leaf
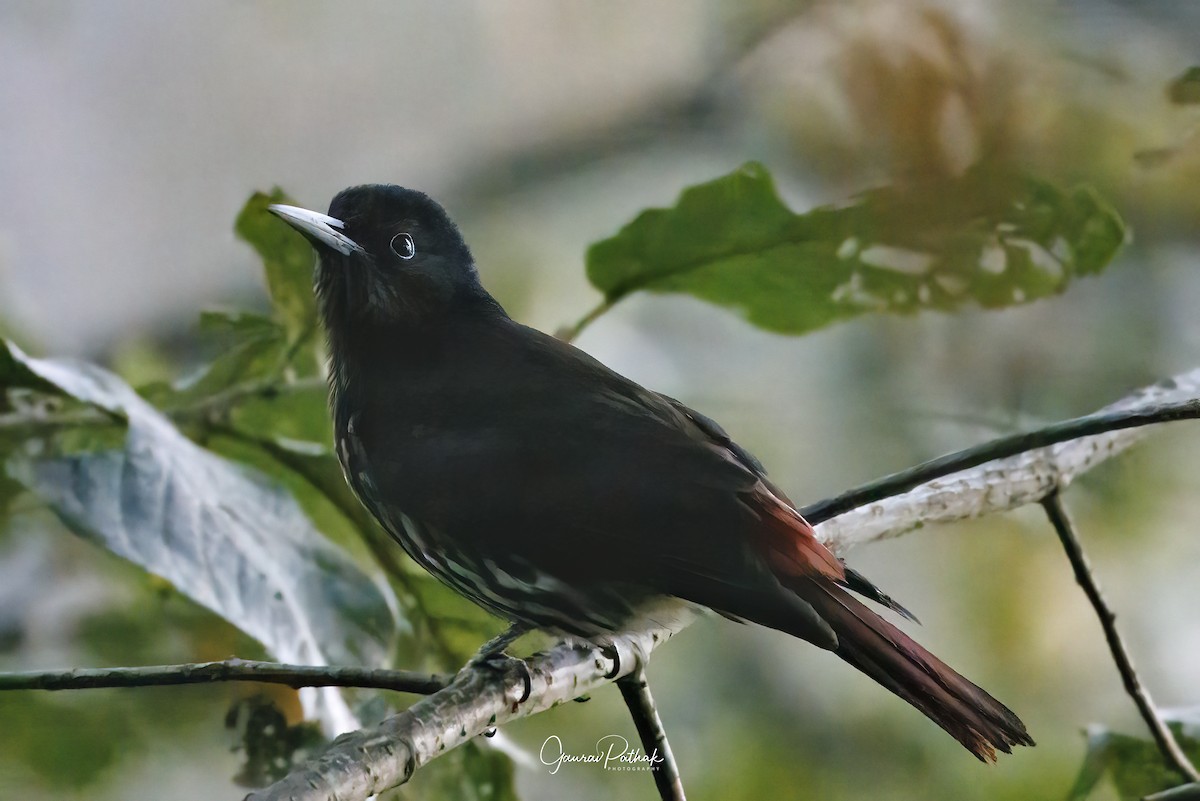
(990, 237)
(253, 353)
(223, 534)
(287, 259)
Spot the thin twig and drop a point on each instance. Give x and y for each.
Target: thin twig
(294, 676)
(1001, 448)
(571, 333)
(1171, 751)
(636, 692)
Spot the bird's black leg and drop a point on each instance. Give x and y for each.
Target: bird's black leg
(492, 657)
(495, 647)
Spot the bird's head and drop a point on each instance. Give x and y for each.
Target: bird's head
(387, 256)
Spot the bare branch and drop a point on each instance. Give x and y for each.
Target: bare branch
(1003, 474)
(1163, 737)
(636, 692)
(294, 676)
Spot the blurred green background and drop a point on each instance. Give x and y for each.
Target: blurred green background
(133, 134)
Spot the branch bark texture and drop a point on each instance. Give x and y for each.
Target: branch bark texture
(1001, 475)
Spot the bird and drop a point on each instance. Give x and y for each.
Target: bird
(555, 492)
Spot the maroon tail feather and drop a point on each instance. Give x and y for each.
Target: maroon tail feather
(883, 652)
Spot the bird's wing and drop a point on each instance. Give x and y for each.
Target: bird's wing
(541, 451)
(796, 529)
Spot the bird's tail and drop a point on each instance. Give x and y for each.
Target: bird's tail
(883, 652)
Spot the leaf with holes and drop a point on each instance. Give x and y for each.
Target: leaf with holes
(989, 237)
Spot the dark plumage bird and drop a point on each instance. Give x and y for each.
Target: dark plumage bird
(558, 494)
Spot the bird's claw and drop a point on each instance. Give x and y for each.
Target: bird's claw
(502, 663)
(637, 657)
(612, 652)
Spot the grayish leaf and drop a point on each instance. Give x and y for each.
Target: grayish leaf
(222, 534)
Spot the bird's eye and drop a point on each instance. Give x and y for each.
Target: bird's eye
(404, 246)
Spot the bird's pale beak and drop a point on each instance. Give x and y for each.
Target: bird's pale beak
(318, 227)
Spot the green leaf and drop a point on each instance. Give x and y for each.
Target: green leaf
(489, 774)
(255, 361)
(1185, 89)
(252, 358)
(990, 237)
(298, 414)
(223, 534)
(1134, 764)
(287, 259)
(9, 491)
(237, 324)
(470, 772)
(68, 745)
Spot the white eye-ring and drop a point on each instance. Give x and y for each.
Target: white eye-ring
(404, 246)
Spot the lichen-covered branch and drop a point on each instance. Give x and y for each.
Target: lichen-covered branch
(974, 482)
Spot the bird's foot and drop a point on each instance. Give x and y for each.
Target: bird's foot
(491, 657)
